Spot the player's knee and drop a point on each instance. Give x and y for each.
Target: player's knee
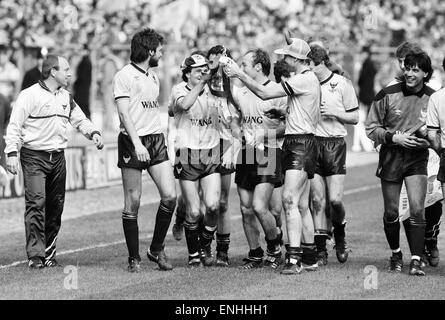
(247, 212)
(289, 200)
(417, 214)
(213, 209)
(133, 201)
(259, 208)
(391, 214)
(318, 204)
(193, 216)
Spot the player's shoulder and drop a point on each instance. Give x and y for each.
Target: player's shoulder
(438, 95)
(179, 87)
(389, 90)
(125, 72)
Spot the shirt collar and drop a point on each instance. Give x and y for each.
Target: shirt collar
(327, 80)
(45, 87)
(406, 92)
(139, 68)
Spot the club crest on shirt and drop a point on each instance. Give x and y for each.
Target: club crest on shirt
(64, 106)
(333, 85)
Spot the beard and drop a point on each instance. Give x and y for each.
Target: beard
(152, 62)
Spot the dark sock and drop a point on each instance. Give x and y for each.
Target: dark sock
(339, 232)
(309, 253)
(257, 253)
(131, 232)
(294, 253)
(417, 234)
(320, 242)
(207, 234)
(222, 242)
(407, 227)
(273, 246)
(392, 232)
(163, 219)
(191, 231)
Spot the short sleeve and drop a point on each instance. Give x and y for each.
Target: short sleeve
(432, 114)
(121, 86)
(296, 85)
(350, 101)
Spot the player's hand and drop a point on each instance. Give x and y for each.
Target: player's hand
(407, 141)
(12, 164)
(327, 112)
(141, 152)
(227, 160)
(274, 113)
(231, 69)
(98, 141)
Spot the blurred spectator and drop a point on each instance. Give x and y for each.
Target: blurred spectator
(82, 85)
(366, 95)
(5, 112)
(9, 74)
(33, 75)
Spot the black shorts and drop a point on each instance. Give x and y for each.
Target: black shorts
(300, 153)
(259, 166)
(331, 156)
(441, 174)
(396, 163)
(195, 164)
(127, 158)
(224, 145)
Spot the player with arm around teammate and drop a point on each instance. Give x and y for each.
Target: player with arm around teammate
(339, 106)
(303, 112)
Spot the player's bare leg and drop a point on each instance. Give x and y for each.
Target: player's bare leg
(192, 199)
(318, 196)
(223, 230)
(416, 189)
(294, 183)
(162, 176)
(132, 184)
(211, 193)
(336, 190)
(251, 230)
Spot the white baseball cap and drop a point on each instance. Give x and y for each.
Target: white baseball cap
(194, 61)
(298, 49)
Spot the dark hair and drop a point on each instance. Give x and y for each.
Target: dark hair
(261, 57)
(218, 49)
(406, 48)
(422, 60)
(319, 55)
(143, 42)
(51, 61)
(282, 69)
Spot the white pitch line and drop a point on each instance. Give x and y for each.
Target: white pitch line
(361, 189)
(103, 245)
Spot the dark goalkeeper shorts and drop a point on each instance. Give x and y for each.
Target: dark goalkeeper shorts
(396, 163)
(331, 156)
(259, 166)
(127, 158)
(300, 153)
(195, 164)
